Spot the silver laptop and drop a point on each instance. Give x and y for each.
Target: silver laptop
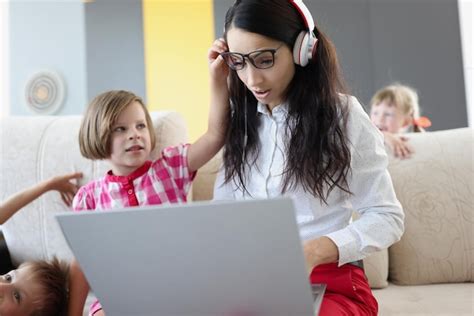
(200, 259)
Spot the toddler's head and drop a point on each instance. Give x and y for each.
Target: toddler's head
(117, 127)
(395, 109)
(36, 288)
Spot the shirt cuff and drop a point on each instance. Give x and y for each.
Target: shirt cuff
(347, 246)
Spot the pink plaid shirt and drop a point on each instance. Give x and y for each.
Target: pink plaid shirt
(166, 180)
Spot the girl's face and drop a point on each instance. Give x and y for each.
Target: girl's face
(269, 85)
(388, 117)
(18, 292)
(130, 140)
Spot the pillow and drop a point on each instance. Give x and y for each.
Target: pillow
(376, 269)
(435, 188)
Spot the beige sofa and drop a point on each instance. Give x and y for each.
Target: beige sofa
(428, 270)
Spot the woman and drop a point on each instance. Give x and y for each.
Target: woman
(294, 132)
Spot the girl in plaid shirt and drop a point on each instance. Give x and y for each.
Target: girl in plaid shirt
(117, 127)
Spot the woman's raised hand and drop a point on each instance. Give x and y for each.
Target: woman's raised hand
(217, 66)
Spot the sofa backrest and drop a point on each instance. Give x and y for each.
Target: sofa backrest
(436, 190)
(37, 148)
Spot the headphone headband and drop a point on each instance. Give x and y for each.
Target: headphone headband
(305, 14)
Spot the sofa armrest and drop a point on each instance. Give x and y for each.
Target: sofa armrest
(5, 260)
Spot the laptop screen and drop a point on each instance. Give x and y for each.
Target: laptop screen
(207, 258)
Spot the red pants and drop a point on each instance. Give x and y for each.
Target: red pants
(347, 291)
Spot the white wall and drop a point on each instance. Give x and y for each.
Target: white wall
(466, 18)
(4, 59)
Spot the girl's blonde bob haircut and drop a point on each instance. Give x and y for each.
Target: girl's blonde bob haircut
(99, 118)
(401, 96)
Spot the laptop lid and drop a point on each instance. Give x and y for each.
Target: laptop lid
(206, 258)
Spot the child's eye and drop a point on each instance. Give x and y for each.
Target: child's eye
(119, 129)
(17, 296)
(7, 277)
(141, 126)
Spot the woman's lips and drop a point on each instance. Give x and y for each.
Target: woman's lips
(261, 94)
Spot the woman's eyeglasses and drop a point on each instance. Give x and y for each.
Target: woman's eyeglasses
(261, 59)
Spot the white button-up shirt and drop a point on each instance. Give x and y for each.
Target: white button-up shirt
(381, 221)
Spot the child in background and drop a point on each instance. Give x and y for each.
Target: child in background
(36, 288)
(117, 127)
(395, 110)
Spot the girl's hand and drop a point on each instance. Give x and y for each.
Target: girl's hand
(398, 145)
(217, 67)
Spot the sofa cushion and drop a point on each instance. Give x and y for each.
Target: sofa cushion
(203, 184)
(37, 148)
(376, 269)
(435, 187)
(426, 300)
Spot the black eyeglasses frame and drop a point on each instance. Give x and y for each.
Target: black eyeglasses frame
(248, 56)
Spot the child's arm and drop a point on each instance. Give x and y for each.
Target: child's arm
(398, 145)
(19, 200)
(212, 141)
(78, 290)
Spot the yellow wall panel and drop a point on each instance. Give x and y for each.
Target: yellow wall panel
(177, 36)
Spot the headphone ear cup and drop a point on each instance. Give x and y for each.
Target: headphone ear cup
(299, 52)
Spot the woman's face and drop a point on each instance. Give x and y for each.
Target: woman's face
(269, 85)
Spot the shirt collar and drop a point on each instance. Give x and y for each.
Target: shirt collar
(125, 179)
(279, 112)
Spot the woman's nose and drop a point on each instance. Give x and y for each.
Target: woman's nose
(254, 75)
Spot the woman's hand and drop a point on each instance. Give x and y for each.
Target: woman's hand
(398, 145)
(319, 251)
(217, 67)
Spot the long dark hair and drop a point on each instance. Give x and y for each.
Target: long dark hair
(318, 156)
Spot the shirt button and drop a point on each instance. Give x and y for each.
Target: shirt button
(130, 191)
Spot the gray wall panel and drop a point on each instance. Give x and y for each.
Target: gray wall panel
(220, 8)
(346, 23)
(418, 42)
(115, 49)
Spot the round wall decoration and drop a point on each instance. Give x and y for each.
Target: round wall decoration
(45, 92)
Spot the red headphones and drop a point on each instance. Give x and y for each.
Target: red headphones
(305, 44)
